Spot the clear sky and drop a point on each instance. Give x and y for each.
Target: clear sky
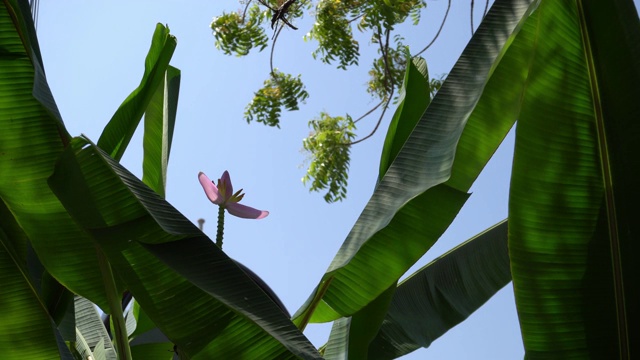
(94, 57)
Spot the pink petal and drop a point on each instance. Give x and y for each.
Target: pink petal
(210, 189)
(246, 212)
(228, 189)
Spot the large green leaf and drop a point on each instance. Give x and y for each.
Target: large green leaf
(414, 100)
(424, 188)
(26, 329)
(159, 122)
(31, 140)
(428, 303)
(196, 295)
(443, 293)
(573, 205)
(337, 347)
(29, 109)
(120, 129)
(350, 337)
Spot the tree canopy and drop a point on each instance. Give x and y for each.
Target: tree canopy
(331, 137)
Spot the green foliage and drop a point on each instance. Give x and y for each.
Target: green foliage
(333, 29)
(89, 189)
(237, 33)
(329, 148)
(388, 69)
(333, 32)
(280, 90)
(565, 74)
(564, 71)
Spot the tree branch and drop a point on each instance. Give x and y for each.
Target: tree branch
(384, 109)
(388, 82)
(355, 18)
(471, 17)
(369, 112)
(438, 33)
(244, 13)
(273, 46)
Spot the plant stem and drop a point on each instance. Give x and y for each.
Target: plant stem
(220, 232)
(120, 329)
(323, 287)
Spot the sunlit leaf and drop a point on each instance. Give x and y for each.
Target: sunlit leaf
(424, 182)
(120, 129)
(572, 239)
(27, 110)
(166, 263)
(159, 122)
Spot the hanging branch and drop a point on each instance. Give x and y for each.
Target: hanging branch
(355, 18)
(384, 110)
(471, 18)
(369, 112)
(244, 13)
(273, 46)
(438, 33)
(389, 84)
(280, 88)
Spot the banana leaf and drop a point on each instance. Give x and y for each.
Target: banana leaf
(571, 237)
(198, 297)
(430, 302)
(573, 211)
(159, 122)
(90, 327)
(31, 313)
(28, 109)
(351, 336)
(25, 320)
(443, 293)
(427, 183)
(158, 78)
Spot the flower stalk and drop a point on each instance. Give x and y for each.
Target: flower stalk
(220, 232)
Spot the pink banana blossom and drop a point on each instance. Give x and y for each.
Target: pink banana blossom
(223, 196)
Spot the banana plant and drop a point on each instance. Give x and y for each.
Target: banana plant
(72, 219)
(58, 206)
(565, 71)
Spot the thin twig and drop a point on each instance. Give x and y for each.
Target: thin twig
(386, 105)
(392, 82)
(388, 83)
(486, 8)
(369, 112)
(273, 46)
(385, 54)
(355, 18)
(438, 33)
(244, 13)
(471, 17)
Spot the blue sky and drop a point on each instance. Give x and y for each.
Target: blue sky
(94, 57)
